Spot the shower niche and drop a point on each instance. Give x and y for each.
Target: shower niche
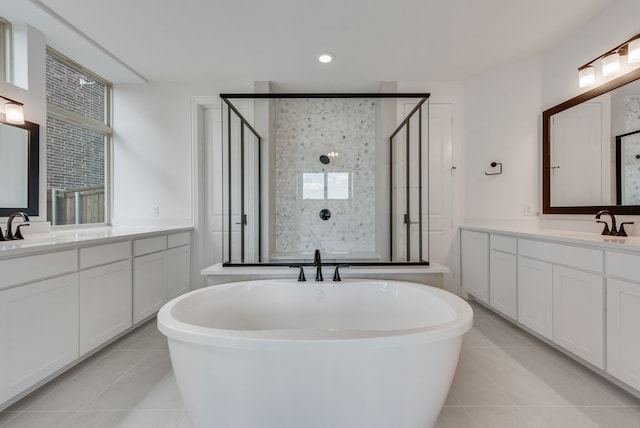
(343, 173)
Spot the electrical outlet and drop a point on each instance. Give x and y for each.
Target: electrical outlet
(528, 210)
(155, 211)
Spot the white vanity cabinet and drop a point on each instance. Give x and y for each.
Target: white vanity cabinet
(577, 295)
(38, 326)
(62, 301)
(161, 271)
(178, 264)
(535, 295)
(105, 293)
(474, 260)
(503, 275)
(149, 276)
(623, 317)
(578, 313)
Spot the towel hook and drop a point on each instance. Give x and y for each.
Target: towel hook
(493, 165)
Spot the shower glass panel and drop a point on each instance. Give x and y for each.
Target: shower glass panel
(343, 173)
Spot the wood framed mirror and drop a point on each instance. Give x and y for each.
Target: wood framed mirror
(19, 168)
(579, 171)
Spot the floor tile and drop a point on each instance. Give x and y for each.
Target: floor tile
(95, 420)
(148, 337)
(164, 396)
(38, 420)
(82, 388)
(132, 387)
(454, 417)
(156, 419)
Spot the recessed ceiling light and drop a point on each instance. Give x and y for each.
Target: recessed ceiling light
(325, 57)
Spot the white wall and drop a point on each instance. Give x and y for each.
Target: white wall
(152, 151)
(502, 110)
(560, 63)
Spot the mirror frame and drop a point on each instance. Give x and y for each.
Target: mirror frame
(33, 192)
(546, 150)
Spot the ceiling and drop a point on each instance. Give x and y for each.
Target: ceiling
(278, 40)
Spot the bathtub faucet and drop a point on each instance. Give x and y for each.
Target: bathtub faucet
(317, 262)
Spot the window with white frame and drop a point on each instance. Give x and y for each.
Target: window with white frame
(5, 50)
(78, 142)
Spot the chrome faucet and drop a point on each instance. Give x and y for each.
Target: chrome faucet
(317, 262)
(18, 235)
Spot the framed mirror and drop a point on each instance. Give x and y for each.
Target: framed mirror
(19, 168)
(589, 144)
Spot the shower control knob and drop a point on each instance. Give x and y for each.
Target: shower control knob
(325, 214)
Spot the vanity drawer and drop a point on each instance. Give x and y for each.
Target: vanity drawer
(104, 254)
(568, 255)
(623, 265)
(149, 245)
(32, 268)
(178, 239)
(506, 244)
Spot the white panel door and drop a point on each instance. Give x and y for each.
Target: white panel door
(441, 183)
(578, 313)
(178, 271)
(38, 332)
(502, 283)
(105, 303)
(623, 334)
(475, 264)
(535, 296)
(149, 285)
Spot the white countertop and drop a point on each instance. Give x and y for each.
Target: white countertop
(631, 243)
(65, 238)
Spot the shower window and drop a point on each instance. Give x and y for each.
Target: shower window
(326, 185)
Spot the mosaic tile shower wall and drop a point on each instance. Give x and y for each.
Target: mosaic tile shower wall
(344, 131)
(631, 167)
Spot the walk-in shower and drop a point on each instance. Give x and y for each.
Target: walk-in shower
(345, 173)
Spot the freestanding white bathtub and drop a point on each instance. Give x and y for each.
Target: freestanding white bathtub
(285, 354)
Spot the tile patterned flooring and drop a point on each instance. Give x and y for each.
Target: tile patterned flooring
(505, 378)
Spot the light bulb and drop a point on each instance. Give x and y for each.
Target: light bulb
(14, 113)
(325, 57)
(610, 64)
(586, 76)
(634, 51)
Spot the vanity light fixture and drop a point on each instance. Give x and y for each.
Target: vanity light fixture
(13, 111)
(610, 61)
(587, 76)
(633, 54)
(325, 57)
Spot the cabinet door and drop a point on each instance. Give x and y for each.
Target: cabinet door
(475, 264)
(149, 285)
(105, 303)
(38, 332)
(623, 334)
(178, 271)
(502, 284)
(535, 296)
(578, 313)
